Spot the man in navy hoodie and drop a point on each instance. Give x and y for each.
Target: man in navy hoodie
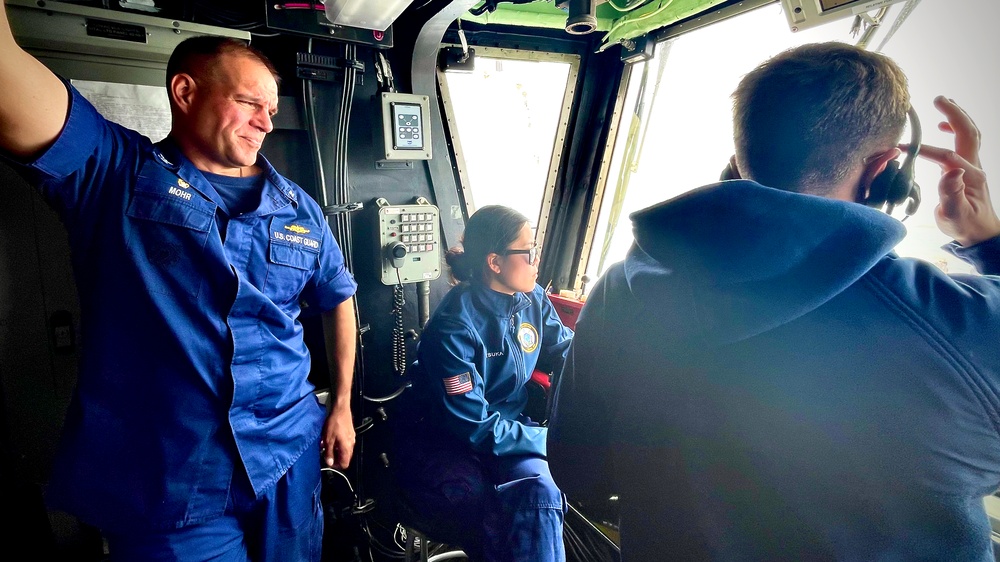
(780, 384)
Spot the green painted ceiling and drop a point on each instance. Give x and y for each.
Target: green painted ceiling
(616, 19)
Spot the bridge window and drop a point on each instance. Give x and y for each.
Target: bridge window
(684, 119)
(505, 117)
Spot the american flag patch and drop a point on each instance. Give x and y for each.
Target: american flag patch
(458, 384)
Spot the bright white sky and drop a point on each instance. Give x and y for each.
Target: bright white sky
(507, 112)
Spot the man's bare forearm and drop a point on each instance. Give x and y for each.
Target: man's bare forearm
(340, 329)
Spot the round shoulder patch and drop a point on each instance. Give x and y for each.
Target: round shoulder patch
(527, 336)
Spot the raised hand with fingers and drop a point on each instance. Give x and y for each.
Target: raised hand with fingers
(965, 211)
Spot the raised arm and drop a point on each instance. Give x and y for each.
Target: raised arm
(33, 101)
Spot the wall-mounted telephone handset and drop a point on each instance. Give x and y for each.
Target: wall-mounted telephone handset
(409, 242)
(396, 252)
(410, 252)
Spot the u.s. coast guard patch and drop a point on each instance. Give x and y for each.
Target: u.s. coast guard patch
(294, 235)
(527, 336)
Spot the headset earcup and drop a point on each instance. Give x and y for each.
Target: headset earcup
(882, 186)
(896, 184)
(899, 190)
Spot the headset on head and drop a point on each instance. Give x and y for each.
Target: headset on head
(895, 185)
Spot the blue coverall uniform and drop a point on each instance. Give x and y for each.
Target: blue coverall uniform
(471, 466)
(193, 395)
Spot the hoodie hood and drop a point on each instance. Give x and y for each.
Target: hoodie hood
(735, 259)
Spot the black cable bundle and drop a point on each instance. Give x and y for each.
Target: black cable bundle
(233, 14)
(491, 6)
(398, 336)
(340, 520)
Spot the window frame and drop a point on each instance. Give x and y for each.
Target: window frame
(559, 141)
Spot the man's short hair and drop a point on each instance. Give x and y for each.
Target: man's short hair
(805, 118)
(196, 56)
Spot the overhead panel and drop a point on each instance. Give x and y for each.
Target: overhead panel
(42, 26)
(617, 20)
(307, 18)
(537, 14)
(654, 15)
(87, 43)
(804, 14)
(376, 15)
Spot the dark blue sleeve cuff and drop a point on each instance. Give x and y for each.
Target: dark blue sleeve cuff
(335, 291)
(984, 255)
(77, 142)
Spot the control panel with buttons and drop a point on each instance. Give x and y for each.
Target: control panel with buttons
(408, 134)
(404, 126)
(410, 242)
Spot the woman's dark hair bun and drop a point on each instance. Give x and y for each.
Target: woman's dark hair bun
(458, 264)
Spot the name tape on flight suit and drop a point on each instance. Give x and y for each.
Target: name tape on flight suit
(180, 190)
(294, 234)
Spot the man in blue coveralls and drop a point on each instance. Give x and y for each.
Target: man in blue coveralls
(193, 433)
(763, 378)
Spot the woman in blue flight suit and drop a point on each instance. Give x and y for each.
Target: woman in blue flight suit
(470, 465)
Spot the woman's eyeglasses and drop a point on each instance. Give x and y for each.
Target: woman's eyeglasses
(532, 253)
